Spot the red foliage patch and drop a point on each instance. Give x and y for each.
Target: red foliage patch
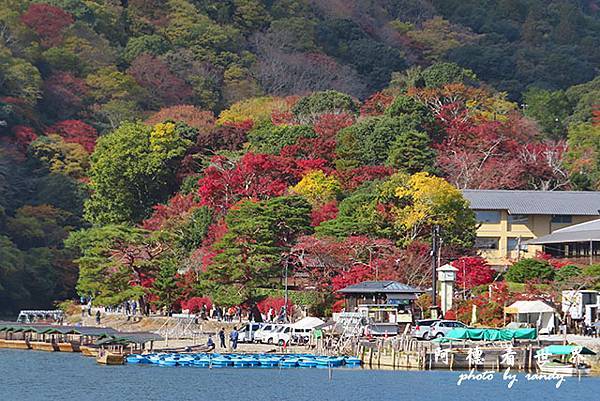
(355, 275)
(472, 271)
(275, 303)
(255, 176)
(166, 215)
(195, 304)
(24, 136)
(326, 212)
(354, 178)
(376, 104)
(75, 131)
(64, 93)
(48, 22)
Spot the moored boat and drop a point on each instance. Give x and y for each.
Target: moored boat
(568, 369)
(570, 361)
(107, 358)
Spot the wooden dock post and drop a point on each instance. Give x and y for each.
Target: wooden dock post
(530, 351)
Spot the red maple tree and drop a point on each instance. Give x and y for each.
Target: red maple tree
(75, 131)
(48, 22)
(171, 213)
(472, 271)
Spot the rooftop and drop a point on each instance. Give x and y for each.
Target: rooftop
(576, 203)
(584, 232)
(371, 287)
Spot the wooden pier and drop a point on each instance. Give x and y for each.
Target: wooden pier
(403, 352)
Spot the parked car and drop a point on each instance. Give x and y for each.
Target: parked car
(248, 331)
(421, 328)
(266, 334)
(442, 327)
(289, 334)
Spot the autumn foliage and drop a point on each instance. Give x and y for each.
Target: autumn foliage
(75, 131)
(47, 21)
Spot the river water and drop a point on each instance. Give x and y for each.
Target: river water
(33, 375)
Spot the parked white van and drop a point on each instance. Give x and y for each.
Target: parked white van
(266, 334)
(248, 332)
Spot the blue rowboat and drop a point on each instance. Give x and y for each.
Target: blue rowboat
(221, 361)
(352, 360)
(243, 362)
(268, 362)
(135, 358)
(307, 363)
(289, 362)
(167, 362)
(201, 362)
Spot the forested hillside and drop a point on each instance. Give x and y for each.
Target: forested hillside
(177, 149)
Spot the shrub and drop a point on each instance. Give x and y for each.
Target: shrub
(530, 269)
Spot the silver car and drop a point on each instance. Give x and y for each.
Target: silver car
(442, 327)
(421, 328)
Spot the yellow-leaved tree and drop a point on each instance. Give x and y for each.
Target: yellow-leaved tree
(317, 187)
(419, 201)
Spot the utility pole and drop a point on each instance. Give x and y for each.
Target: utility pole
(285, 302)
(435, 241)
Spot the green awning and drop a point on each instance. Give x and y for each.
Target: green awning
(565, 350)
(114, 341)
(492, 334)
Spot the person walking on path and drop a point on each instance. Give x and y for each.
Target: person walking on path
(233, 337)
(222, 338)
(98, 317)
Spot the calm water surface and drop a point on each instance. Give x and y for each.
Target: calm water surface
(33, 375)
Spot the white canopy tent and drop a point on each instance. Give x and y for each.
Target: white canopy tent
(535, 313)
(308, 322)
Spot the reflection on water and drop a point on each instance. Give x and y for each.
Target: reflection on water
(32, 375)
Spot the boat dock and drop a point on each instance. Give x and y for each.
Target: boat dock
(404, 352)
(60, 338)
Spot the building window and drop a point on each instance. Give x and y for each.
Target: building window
(514, 242)
(487, 243)
(487, 216)
(562, 218)
(518, 219)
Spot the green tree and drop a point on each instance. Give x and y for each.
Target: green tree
(309, 108)
(12, 277)
(259, 234)
(530, 269)
(133, 168)
(568, 272)
(18, 78)
(59, 156)
(270, 138)
(112, 263)
(370, 141)
(189, 236)
(152, 44)
(440, 74)
(165, 286)
(550, 109)
(411, 152)
(357, 215)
